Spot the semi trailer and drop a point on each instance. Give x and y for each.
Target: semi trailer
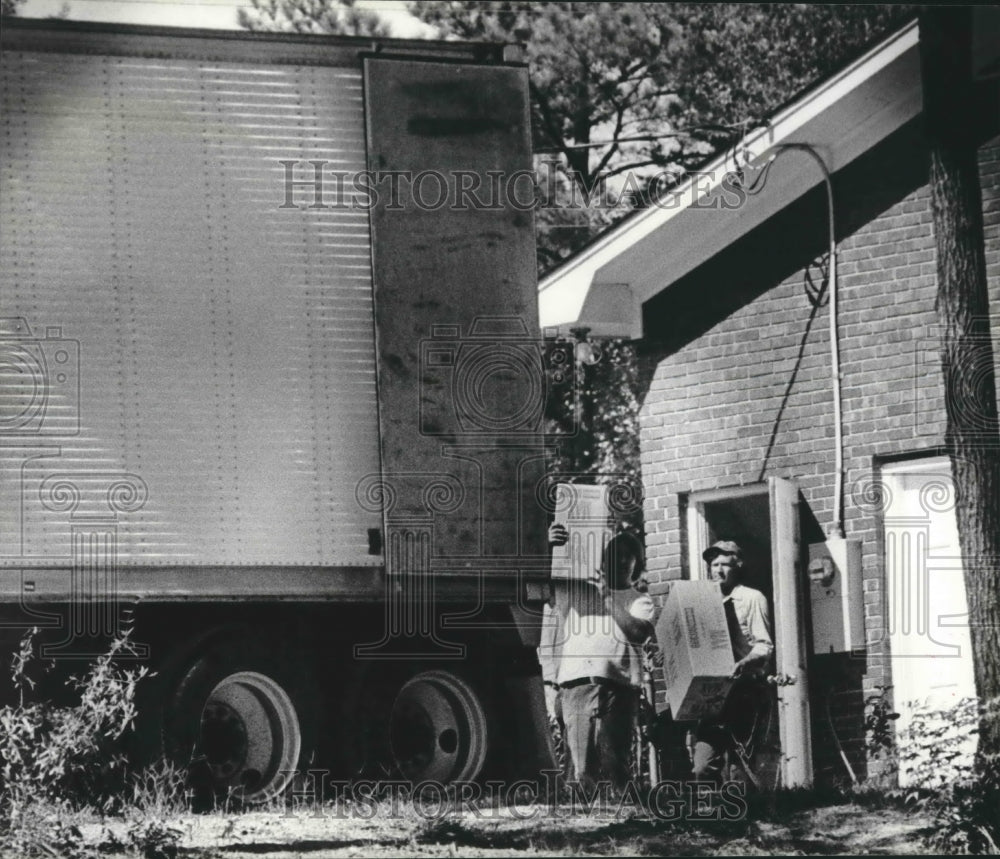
(272, 393)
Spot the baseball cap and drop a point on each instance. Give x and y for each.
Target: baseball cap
(723, 547)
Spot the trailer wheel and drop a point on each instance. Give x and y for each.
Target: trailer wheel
(438, 728)
(242, 721)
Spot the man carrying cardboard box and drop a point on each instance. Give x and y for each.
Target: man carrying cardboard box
(599, 666)
(750, 632)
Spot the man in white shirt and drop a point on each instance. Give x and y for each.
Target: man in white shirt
(599, 666)
(750, 631)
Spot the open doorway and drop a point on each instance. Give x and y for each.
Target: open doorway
(747, 520)
(764, 520)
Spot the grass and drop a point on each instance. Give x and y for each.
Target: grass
(59, 797)
(795, 823)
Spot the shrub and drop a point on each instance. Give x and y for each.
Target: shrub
(966, 816)
(937, 746)
(879, 716)
(55, 760)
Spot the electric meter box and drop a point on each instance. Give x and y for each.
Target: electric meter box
(838, 616)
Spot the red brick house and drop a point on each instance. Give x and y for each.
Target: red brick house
(721, 291)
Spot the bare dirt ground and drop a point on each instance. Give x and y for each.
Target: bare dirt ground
(842, 829)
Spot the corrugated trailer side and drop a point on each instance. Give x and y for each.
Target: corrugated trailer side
(220, 352)
(213, 378)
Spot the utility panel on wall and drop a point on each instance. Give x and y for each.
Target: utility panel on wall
(838, 618)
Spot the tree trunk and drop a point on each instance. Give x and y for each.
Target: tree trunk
(969, 367)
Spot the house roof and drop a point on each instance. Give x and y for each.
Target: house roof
(604, 286)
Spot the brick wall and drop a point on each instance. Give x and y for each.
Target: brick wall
(748, 395)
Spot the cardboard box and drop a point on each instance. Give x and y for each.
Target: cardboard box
(584, 511)
(697, 653)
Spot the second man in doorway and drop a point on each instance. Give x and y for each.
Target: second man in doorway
(750, 632)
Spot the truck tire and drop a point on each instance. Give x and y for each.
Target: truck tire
(242, 719)
(439, 728)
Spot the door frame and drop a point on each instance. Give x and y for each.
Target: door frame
(697, 523)
(912, 612)
(787, 576)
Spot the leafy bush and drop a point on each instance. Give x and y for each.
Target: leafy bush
(879, 716)
(968, 816)
(937, 746)
(58, 760)
(936, 752)
(68, 753)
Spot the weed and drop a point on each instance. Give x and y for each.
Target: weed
(68, 753)
(873, 794)
(151, 838)
(159, 790)
(879, 718)
(157, 794)
(56, 761)
(938, 745)
(966, 815)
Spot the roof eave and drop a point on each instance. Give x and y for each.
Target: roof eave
(841, 120)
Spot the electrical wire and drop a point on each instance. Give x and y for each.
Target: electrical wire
(837, 526)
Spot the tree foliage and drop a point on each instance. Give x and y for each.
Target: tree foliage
(596, 420)
(631, 96)
(312, 16)
(627, 97)
(9, 7)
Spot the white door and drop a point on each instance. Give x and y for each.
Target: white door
(927, 620)
(789, 634)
